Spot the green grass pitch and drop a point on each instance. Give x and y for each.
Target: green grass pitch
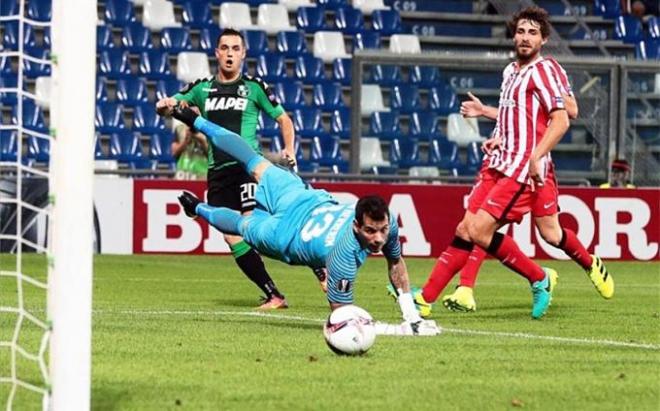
(179, 333)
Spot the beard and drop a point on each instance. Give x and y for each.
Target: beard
(526, 56)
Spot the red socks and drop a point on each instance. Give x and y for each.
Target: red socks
(506, 250)
(447, 265)
(471, 269)
(574, 249)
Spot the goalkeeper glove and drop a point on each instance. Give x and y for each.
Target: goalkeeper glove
(189, 203)
(185, 115)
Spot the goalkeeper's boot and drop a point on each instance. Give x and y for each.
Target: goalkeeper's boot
(422, 306)
(541, 295)
(322, 276)
(601, 279)
(273, 302)
(189, 203)
(462, 299)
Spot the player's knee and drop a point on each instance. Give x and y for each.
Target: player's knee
(462, 231)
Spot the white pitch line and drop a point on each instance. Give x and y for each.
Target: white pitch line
(588, 341)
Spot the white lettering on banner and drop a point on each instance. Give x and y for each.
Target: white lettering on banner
(585, 230)
(158, 220)
(215, 242)
(402, 206)
(640, 214)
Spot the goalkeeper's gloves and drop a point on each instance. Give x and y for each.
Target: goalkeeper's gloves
(407, 306)
(185, 114)
(423, 328)
(189, 203)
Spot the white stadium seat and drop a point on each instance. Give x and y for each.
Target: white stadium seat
(42, 91)
(292, 5)
(405, 43)
(371, 99)
(424, 171)
(158, 14)
(371, 154)
(273, 18)
(463, 131)
(236, 16)
(329, 45)
(368, 6)
(192, 65)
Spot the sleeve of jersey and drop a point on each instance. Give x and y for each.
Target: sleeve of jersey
(548, 90)
(268, 102)
(189, 93)
(342, 269)
(392, 248)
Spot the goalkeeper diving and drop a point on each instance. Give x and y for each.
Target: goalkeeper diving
(299, 225)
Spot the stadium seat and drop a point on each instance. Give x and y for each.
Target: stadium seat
(371, 99)
(42, 92)
(160, 147)
(309, 69)
(236, 15)
(158, 14)
(404, 152)
(290, 95)
(5, 66)
(443, 154)
(405, 43)
(386, 22)
(273, 18)
(405, 98)
(118, 13)
(341, 71)
(386, 75)
(648, 49)
(607, 8)
(368, 6)
(271, 68)
(208, 39)
(39, 10)
(425, 76)
(267, 127)
(103, 38)
(197, 14)
(10, 36)
(293, 5)
(329, 45)
(474, 158)
(125, 146)
(628, 29)
(443, 99)
(8, 98)
(175, 40)
(349, 20)
(256, 42)
(385, 125)
(332, 4)
(654, 27)
(192, 65)
(167, 88)
(276, 146)
(424, 125)
(463, 130)
(33, 69)
(326, 151)
(132, 91)
(311, 19)
(33, 117)
(146, 120)
(114, 63)
(136, 38)
(154, 65)
(8, 145)
(291, 43)
(9, 7)
(38, 149)
(109, 117)
(101, 93)
(328, 96)
(371, 154)
(307, 122)
(99, 154)
(424, 171)
(366, 40)
(340, 123)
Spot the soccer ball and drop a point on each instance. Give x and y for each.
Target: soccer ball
(349, 330)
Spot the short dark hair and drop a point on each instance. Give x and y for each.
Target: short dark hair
(373, 206)
(533, 13)
(230, 32)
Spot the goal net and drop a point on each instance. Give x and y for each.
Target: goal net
(47, 75)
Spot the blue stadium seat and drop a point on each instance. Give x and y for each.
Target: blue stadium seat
(291, 43)
(101, 90)
(175, 40)
(648, 49)
(33, 69)
(425, 76)
(197, 14)
(424, 125)
(146, 120)
(443, 153)
(33, 117)
(267, 126)
(38, 149)
(104, 38)
(114, 63)
(406, 98)
(443, 100)
(154, 65)
(366, 40)
(8, 98)
(340, 123)
(256, 42)
(385, 125)
(307, 122)
(555, 8)
(290, 94)
(276, 146)
(474, 157)
(99, 154)
(132, 91)
(405, 152)
(309, 69)
(8, 145)
(47, 36)
(653, 27)
(5, 66)
(349, 20)
(333, 4)
(386, 22)
(10, 36)
(607, 8)
(271, 68)
(125, 146)
(628, 29)
(328, 96)
(109, 118)
(311, 19)
(385, 75)
(208, 39)
(119, 12)
(160, 147)
(9, 7)
(167, 88)
(136, 38)
(39, 10)
(341, 71)
(326, 151)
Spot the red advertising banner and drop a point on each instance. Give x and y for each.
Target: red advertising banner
(615, 224)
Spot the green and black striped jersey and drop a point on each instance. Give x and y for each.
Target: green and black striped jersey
(234, 106)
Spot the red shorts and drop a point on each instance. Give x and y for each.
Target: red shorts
(500, 196)
(546, 197)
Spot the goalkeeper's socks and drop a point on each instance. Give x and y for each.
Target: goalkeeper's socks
(507, 251)
(574, 249)
(471, 269)
(224, 219)
(253, 266)
(447, 265)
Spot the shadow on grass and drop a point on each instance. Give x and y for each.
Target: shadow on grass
(108, 398)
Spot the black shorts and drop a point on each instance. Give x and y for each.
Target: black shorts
(233, 189)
